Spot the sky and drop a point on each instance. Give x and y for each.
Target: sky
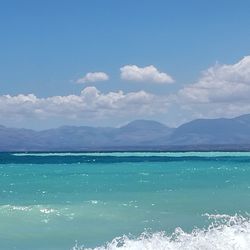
(105, 63)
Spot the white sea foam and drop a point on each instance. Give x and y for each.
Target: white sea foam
(224, 233)
(47, 210)
(143, 154)
(20, 208)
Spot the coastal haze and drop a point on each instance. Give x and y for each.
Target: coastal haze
(201, 134)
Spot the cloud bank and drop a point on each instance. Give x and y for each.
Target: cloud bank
(93, 77)
(146, 74)
(221, 91)
(90, 105)
(221, 83)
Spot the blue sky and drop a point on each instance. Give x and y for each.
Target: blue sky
(47, 46)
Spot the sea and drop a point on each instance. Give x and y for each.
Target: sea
(125, 200)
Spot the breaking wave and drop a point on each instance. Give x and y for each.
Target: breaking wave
(224, 233)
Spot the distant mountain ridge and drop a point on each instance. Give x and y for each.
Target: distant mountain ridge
(198, 134)
(213, 131)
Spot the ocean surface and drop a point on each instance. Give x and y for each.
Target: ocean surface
(136, 201)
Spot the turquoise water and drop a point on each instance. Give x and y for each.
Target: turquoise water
(158, 200)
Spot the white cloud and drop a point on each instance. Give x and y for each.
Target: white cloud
(90, 105)
(93, 77)
(146, 74)
(221, 91)
(221, 83)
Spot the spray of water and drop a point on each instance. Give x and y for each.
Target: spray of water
(224, 233)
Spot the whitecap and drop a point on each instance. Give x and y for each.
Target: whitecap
(224, 233)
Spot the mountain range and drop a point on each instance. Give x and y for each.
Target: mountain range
(200, 134)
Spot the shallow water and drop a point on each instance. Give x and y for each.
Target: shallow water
(52, 200)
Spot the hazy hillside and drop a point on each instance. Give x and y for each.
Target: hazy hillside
(213, 131)
(136, 135)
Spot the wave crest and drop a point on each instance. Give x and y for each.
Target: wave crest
(224, 233)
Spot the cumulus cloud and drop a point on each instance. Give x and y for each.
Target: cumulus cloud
(145, 74)
(221, 91)
(93, 77)
(221, 83)
(89, 105)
